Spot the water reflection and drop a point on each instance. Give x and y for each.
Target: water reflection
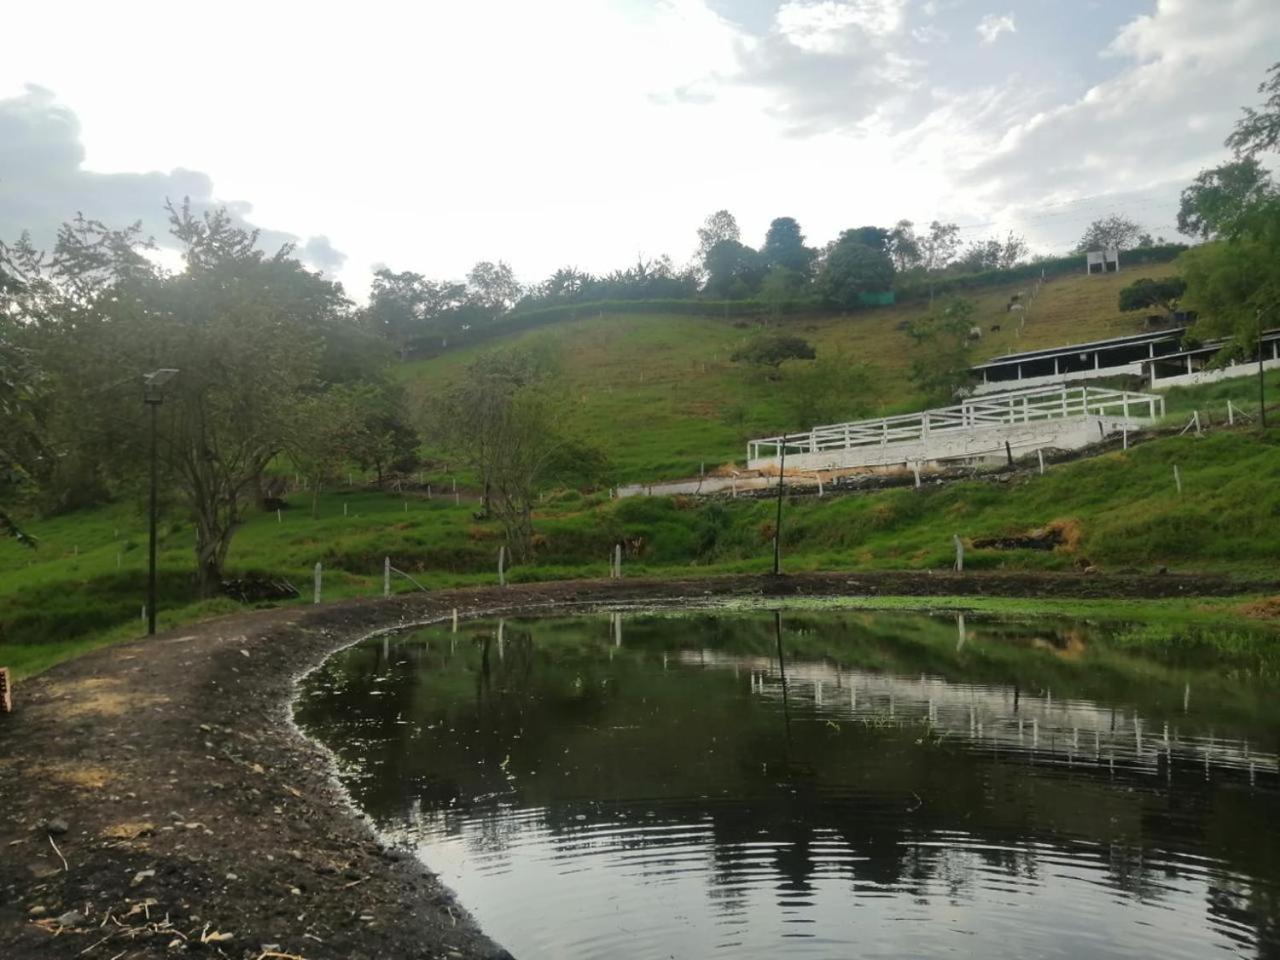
(824, 784)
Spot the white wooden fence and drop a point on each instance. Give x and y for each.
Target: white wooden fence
(1041, 405)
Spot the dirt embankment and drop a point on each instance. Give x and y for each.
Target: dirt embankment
(156, 801)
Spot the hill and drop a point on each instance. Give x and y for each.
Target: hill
(661, 395)
(1120, 511)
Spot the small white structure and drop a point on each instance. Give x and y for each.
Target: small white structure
(979, 429)
(1106, 260)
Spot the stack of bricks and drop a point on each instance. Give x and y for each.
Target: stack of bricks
(6, 691)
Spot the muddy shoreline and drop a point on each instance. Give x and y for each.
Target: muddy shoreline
(156, 798)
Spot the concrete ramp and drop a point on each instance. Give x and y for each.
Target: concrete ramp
(1067, 418)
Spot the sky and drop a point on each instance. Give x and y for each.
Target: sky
(590, 133)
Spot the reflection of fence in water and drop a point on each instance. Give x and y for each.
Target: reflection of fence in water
(1000, 717)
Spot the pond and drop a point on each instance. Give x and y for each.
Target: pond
(661, 784)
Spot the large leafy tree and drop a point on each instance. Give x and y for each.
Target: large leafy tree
(1111, 231)
(505, 420)
(1218, 201)
(719, 226)
(1147, 294)
(1259, 129)
(247, 330)
(1234, 284)
(405, 307)
(734, 270)
(853, 268)
(784, 247)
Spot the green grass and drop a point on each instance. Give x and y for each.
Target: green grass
(70, 594)
(660, 394)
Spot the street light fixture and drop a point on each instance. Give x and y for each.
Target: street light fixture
(153, 395)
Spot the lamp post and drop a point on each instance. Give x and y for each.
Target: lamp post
(152, 395)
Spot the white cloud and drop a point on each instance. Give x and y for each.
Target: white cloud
(827, 26)
(991, 26)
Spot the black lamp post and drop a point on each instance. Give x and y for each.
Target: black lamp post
(153, 395)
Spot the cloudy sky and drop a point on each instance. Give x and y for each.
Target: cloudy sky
(428, 136)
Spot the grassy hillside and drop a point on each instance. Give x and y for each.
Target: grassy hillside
(86, 581)
(660, 394)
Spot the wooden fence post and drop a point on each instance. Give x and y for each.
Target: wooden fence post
(1177, 478)
(617, 561)
(959, 553)
(386, 576)
(502, 565)
(1231, 414)
(1040, 457)
(319, 577)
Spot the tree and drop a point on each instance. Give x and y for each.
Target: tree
(1233, 287)
(504, 419)
(1146, 294)
(1111, 231)
(942, 345)
(1216, 202)
(719, 226)
(904, 246)
(734, 271)
(784, 247)
(779, 286)
(771, 351)
(851, 269)
(831, 389)
(493, 287)
(406, 306)
(993, 254)
(1259, 130)
(937, 249)
(20, 380)
(324, 430)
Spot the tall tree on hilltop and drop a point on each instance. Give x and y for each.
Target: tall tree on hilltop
(1110, 231)
(784, 247)
(852, 268)
(719, 226)
(494, 287)
(938, 248)
(904, 246)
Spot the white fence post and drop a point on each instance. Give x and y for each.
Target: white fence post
(277, 515)
(386, 576)
(1040, 457)
(915, 469)
(617, 561)
(959, 553)
(502, 565)
(455, 619)
(1177, 478)
(319, 576)
(1231, 414)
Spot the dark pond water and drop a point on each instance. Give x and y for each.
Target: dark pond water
(898, 785)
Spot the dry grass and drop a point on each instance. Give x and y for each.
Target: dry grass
(98, 696)
(76, 774)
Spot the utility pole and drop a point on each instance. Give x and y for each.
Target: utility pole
(153, 396)
(777, 526)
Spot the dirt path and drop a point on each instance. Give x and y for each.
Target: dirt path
(156, 800)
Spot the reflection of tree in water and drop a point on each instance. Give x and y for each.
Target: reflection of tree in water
(586, 736)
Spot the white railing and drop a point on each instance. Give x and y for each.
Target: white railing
(1016, 406)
